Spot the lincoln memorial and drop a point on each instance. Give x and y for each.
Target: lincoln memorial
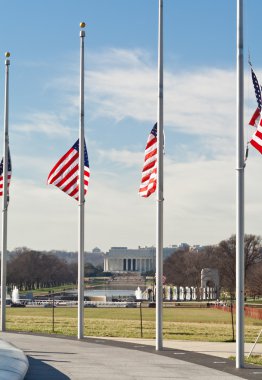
(123, 259)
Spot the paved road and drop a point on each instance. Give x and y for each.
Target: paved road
(53, 358)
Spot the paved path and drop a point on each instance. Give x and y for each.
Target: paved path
(54, 358)
(221, 349)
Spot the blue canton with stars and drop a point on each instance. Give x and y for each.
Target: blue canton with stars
(257, 89)
(76, 147)
(9, 169)
(154, 130)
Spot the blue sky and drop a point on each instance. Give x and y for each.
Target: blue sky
(120, 109)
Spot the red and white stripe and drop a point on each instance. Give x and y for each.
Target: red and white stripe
(254, 121)
(9, 173)
(65, 174)
(2, 182)
(256, 139)
(149, 171)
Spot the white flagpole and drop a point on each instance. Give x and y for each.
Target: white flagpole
(160, 198)
(80, 333)
(5, 197)
(240, 260)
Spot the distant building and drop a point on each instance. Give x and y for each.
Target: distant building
(184, 246)
(142, 259)
(123, 259)
(96, 257)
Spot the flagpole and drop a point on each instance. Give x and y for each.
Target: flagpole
(240, 260)
(80, 333)
(160, 198)
(5, 198)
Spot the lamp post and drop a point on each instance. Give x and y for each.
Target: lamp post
(52, 294)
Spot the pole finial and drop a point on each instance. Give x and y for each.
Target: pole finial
(82, 24)
(7, 54)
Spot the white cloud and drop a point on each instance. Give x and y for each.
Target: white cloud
(200, 200)
(119, 58)
(199, 207)
(123, 84)
(195, 102)
(40, 216)
(126, 158)
(199, 177)
(35, 167)
(43, 123)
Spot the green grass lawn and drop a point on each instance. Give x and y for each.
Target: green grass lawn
(186, 324)
(254, 359)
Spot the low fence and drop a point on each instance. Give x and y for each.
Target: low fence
(126, 304)
(252, 312)
(62, 303)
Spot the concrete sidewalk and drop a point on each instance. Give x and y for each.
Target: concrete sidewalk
(220, 349)
(60, 358)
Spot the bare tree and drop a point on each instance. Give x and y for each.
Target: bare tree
(28, 269)
(226, 258)
(183, 268)
(253, 282)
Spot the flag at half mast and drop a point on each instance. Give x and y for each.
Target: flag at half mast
(149, 171)
(256, 115)
(9, 173)
(65, 173)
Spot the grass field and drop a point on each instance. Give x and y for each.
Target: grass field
(186, 324)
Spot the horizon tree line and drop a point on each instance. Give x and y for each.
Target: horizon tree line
(30, 269)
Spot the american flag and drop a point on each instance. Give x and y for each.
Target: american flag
(65, 173)
(256, 116)
(256, 139)
(9, 172)
(149, 171)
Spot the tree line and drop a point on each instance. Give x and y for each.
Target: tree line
(29, 270)
(183, 267)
